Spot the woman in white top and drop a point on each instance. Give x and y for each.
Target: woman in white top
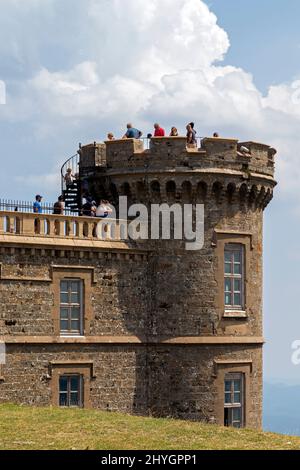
(103, 209)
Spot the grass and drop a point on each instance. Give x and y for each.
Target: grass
(25, 428)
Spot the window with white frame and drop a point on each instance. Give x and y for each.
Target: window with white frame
(234, 400)
(234, 279)
(71, 307)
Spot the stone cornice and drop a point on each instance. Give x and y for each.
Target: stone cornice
(107, 340)
(14, 244)
(192, 172)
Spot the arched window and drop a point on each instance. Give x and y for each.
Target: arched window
(171, 187)
(202, 191)
(155, 187)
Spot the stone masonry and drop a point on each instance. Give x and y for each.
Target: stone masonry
(157, 339)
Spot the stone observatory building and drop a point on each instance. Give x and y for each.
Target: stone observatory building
(91, 318)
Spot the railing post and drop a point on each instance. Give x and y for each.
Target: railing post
(42, 227)
(80, 229)
(1, 224)
(61, 228)
(52, 227)
(27, 224)
(11, 224)
(90, 226)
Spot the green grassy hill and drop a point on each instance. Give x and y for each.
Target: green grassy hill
(51, 428)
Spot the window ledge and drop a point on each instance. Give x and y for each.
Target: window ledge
(72, 336)
(235, 314)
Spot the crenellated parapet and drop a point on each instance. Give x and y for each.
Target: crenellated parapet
(221, 171)
(172, 152)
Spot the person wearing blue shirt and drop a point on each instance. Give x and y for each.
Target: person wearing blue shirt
(132, 133)
(37, 206)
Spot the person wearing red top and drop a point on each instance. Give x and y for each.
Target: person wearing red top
(159, 131)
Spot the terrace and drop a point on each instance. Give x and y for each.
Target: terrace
(44, 229)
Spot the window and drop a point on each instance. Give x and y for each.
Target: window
(71, 311)
(234, 277)
(234, 400)
(71, 390)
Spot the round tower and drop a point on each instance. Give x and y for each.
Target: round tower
(203, 337)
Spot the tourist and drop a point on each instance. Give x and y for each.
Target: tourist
(37, 205)
(110, 136)
(89, 207)
(132, 132)
(174, 132)
(103, 209)
(191, 136)
(59, 206)
(69, 177)
(159, 131)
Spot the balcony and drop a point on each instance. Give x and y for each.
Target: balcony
(62, 230)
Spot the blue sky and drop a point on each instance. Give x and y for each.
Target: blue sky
(265, 40)
(264, 36)
(231, 66)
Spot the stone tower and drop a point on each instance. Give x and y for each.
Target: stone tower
(203, 326)
(92, 319)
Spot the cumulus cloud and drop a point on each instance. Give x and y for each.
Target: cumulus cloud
(115, 61)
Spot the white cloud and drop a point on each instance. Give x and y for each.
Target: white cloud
(115, 61)
(48, 182)
(2, 92)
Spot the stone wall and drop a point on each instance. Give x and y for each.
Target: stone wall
(136, 379)
(118, 294)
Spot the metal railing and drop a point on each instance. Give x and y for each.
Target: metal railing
(73, 164)
(11, 205)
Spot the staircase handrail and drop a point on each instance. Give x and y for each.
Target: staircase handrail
(72, 162)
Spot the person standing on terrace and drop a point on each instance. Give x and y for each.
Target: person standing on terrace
(59, 206)
(110, 136)
(191, 136)
(103, 210)
(37, 205)
(174, 132)
(69, 177)
(132, 132)
(159, 131)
